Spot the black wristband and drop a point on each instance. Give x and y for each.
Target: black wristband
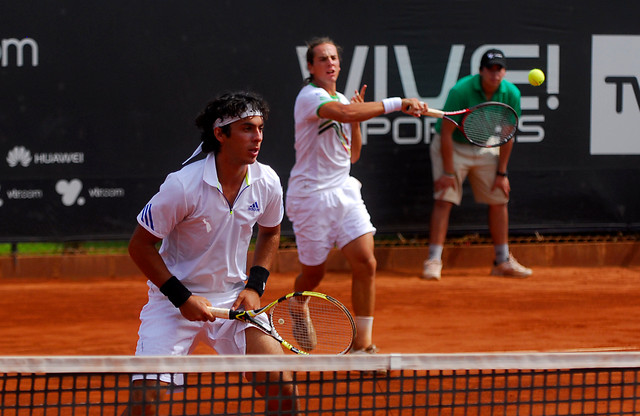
(175, 291)
(501, 174)
(257, 280)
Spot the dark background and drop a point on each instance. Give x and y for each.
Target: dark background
(121, 82)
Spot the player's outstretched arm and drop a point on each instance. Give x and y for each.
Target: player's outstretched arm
(358, 112)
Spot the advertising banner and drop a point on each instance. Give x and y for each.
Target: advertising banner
(99, 100)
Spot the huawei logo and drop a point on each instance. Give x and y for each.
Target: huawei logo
(19, 155)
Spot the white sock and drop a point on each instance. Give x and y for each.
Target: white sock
(502, 253)
(364, 330)
(435, 251)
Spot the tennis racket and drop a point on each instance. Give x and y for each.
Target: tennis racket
(303, 322)
(489, 124)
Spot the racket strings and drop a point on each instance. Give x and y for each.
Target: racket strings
(490, 125)
(313, 324)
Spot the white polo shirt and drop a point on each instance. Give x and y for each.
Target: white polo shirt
(205, 237)
(323, 146)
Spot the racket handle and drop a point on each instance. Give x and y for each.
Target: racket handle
(432, 112)
(220, 312)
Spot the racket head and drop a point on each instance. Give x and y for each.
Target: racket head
(251, 317)
(313, 323)
(489, 124)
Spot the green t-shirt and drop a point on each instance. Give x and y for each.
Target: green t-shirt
(468, 92)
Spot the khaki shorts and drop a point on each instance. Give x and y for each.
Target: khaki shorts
(328, 219)
(479, 164)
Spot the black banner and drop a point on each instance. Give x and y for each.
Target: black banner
(98, 103)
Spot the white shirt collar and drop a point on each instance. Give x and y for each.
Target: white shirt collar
(210, 174)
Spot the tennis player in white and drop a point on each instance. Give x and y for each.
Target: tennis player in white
(204, 215)
(324, 202)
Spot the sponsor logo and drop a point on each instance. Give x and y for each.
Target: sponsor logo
(22, 156)
(615, 95)
(58, 158)
(106, 192)
(22, 194)
(13, 50)
(19, 155)
(254, 207)
(25, 193)
(70, 192)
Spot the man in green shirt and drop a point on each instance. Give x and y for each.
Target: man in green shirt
(453, 159)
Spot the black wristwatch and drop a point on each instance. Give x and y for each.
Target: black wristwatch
(501, 174)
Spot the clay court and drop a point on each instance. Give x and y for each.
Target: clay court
(557, 309)
(89, 305)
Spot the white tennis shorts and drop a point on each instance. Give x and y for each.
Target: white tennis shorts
(328, 219)
(164, 331)
(479, 164)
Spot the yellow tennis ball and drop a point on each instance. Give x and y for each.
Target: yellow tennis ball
(536, 77)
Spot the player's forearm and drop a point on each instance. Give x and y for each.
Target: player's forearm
(267, 243)
(352, 113)
(151, 265)
(505, 154)
(143, 252)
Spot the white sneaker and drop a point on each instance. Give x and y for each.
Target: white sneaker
(371, 349)
(431, 269)
(511, 268)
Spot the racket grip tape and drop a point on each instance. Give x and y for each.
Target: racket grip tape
(432, 112)
(225, 313)
(220, 312)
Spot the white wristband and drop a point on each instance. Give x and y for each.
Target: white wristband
(392, 104)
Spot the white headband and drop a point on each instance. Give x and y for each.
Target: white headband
(195, 153)
(224, 121)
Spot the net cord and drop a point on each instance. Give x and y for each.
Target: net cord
(242, 363)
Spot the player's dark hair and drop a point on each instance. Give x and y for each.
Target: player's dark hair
(229, 104)
(311, 44)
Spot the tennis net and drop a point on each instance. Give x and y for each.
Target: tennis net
(598, 383)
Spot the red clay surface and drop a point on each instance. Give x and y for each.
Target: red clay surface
(557, 309)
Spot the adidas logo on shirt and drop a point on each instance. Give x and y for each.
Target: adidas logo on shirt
(254, 207)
